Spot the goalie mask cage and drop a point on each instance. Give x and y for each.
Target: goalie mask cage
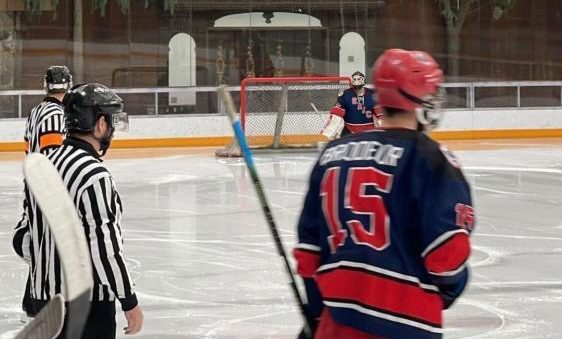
(285, 113)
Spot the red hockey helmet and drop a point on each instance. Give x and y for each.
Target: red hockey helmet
(404, 79)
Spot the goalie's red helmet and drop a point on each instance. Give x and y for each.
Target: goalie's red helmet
(403, 79)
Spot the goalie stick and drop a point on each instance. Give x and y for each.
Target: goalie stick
(248, 158)
(314, 107)
(50, 192)
(321, 144)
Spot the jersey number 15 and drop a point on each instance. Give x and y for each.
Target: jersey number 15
(376, 233)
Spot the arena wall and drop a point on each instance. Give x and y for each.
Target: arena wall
(200, 130)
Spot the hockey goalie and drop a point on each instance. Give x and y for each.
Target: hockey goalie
(355, 110)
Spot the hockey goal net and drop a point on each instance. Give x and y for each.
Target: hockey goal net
(285, 113)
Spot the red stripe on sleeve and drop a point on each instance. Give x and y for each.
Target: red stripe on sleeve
(307, 262)
(338, 111)
(377, 111)
(382, 293)
(448, 256)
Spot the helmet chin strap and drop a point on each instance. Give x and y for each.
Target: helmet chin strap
(105, 141)
(429, 118)
(428, 115)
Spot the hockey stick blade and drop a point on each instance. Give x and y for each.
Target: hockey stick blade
(50, 192)
(248, 158)
(48, 323)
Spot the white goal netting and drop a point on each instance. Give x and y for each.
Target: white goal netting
(284, 113)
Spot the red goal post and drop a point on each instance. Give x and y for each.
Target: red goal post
(286, 112)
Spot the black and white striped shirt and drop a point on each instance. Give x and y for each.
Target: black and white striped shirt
(92, 189)
(44, 131)
(45, 126)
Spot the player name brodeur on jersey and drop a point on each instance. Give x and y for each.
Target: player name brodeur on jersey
(384, 154)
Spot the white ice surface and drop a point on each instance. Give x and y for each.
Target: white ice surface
(205, 266)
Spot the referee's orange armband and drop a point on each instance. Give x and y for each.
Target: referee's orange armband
(50, 139)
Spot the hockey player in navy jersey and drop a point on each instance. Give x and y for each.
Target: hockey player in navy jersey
(355, 110)
(383, 237)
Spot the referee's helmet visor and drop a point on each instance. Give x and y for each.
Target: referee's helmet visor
(120, 121)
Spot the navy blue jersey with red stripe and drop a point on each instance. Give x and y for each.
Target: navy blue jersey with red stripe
(357, 111)
(384, 232)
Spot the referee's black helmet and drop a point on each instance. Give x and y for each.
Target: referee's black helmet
(57, 79)
(84, 104)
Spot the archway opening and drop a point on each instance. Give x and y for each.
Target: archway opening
(270, 44)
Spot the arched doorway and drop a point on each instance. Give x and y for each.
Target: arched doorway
(352, 54)
(267, 20)
(181, 68)
(294, 43)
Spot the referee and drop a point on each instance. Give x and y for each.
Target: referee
(92, 113)
(43, 134)
(44, 127)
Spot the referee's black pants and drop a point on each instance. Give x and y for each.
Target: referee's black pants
(100, 323)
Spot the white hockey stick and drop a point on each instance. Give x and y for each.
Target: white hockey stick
(48, 323)
(50, 192)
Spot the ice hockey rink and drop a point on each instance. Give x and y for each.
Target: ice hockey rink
(205, 265)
